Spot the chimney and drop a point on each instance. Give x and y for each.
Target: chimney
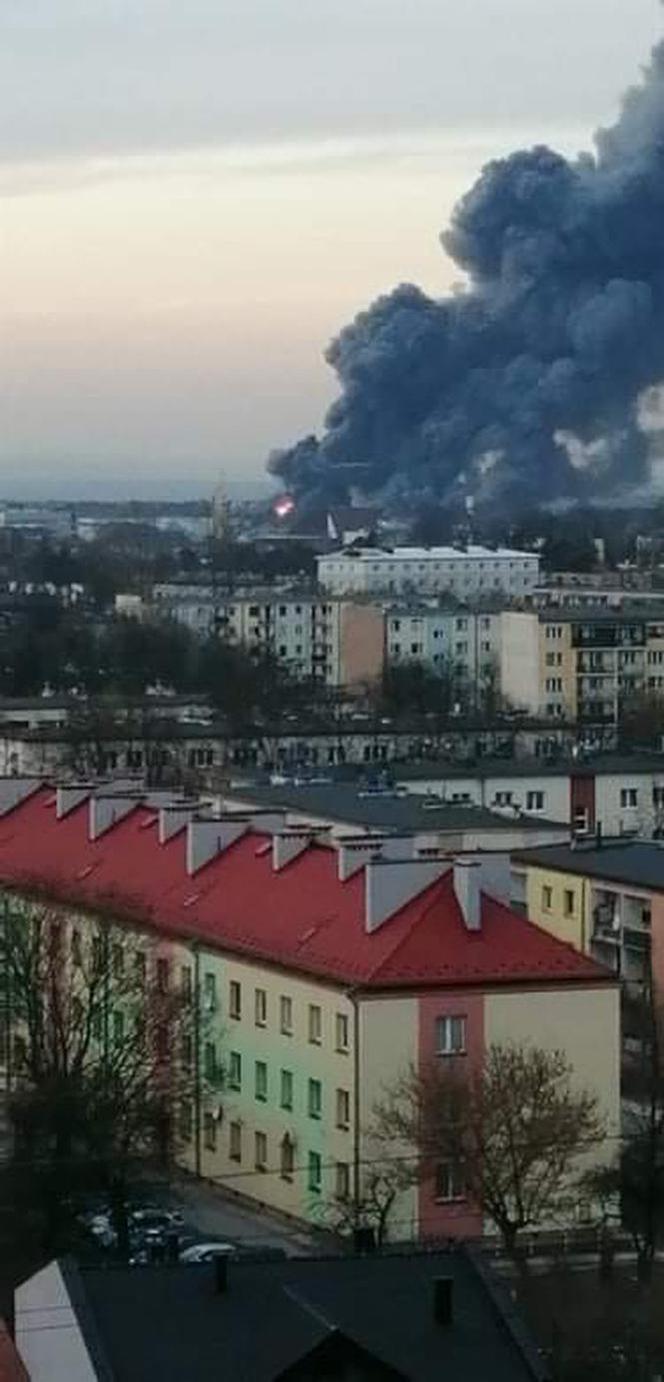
(68, 798)
(390, 883)
(105, 811)
(172, 818)
(467, 886)
(16, 789)
(207, 838)
(443, 1300)
(355, 850)
(287, 844)
(221, 1273)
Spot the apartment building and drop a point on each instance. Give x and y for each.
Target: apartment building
(459, 641)
(604, 897)
(580, 664)
(337, 642)
(621, 794)
(467, 572)
(325, 968)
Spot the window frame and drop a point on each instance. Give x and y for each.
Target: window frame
(447, 1023)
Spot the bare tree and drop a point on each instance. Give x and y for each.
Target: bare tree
(103, 1058)
(369, 1210)
(513, 1131)
(636, 1179)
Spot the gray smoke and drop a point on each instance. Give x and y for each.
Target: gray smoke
(528, 385)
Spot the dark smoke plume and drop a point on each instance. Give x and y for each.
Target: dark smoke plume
(527, 385)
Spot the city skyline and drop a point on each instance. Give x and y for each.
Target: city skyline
(193, 205)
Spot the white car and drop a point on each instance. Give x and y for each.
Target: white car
(205, 1252)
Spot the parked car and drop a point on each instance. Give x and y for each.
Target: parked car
(205, 1252)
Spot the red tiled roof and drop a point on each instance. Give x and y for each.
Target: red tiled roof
(301, 917)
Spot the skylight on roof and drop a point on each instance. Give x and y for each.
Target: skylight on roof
(189, 901)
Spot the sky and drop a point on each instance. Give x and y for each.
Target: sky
(195, 196)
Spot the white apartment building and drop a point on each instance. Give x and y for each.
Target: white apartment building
(461, 641)
(467, 572)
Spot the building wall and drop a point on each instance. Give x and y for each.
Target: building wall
(496, 791)
(582, 1023)
(362, 645)
(520, 660)
(458, 1219)
(388, 1047)
(299, 1056)
(568, 923)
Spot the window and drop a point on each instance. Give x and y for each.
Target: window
(76, 947)
(185, 982)
(235, 1070)
(162, 975)
(162, 1040)
(547, 897)
(315, 1024)
(235, 1000)
(210, 1060)
(186, 1052)
(286, 1093)
(315, 1169)
(141, 967)
(186, 1120)
(286, 1015)
(287, 1157)
(210, 992)
(342, 1180)
(450, 1181)
(450, 1036)
(235, 1142)
(568, 902)
(210, 1132)
(503, 799)
(260, 1007)
(629, 797)
(118, 1026)
(343, 1108)
(534, 801)
(260, 1080)
(260, 1151)
(315, 1099)
(341, 1028)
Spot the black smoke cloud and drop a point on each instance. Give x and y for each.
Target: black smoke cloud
(525, 386)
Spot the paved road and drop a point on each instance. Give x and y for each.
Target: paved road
(214, 1214)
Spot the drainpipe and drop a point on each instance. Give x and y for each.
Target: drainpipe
(197, 1060)
(356, 1104)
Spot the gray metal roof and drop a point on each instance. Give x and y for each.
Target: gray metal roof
(381, 809)
(636, 862)
(594, 766)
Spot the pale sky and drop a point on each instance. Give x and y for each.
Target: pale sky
(195, 195)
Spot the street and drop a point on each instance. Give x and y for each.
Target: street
(211, 1213)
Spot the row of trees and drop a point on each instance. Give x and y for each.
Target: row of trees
(102, 1051)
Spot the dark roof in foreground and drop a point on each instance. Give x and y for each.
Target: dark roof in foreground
(171, 1323)
(638, 862)
(384, 809)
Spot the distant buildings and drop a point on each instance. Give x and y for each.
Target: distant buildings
(467, 572)
(580, 664)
